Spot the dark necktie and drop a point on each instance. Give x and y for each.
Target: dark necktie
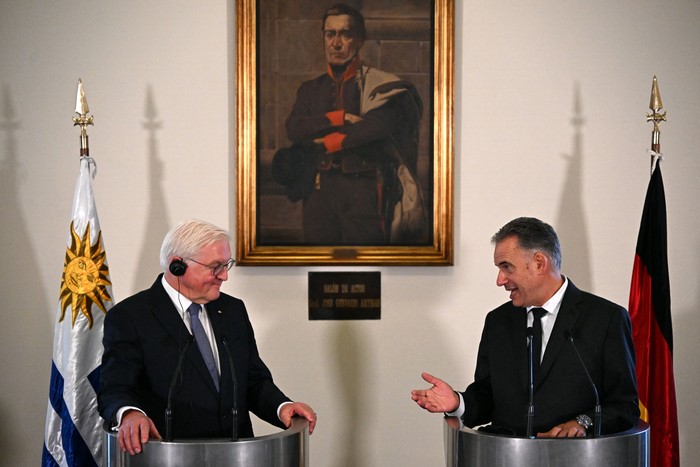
(537, 314)
(203, 342)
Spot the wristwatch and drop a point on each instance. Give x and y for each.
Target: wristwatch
(585, 421)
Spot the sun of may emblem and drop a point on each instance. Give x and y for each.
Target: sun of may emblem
(85, 277)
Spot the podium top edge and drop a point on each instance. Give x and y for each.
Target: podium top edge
(454, 424)
(299, 425)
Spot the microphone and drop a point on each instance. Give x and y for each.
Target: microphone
(531, 384)
(597, 425)
(169, 408)
(234, 408)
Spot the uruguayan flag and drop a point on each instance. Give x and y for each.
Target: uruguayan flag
(73, 435)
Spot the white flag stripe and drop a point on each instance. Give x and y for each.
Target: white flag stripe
(52, 441)
(82, 357)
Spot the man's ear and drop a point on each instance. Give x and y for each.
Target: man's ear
(541, 262)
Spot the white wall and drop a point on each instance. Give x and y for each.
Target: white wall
(519, 68)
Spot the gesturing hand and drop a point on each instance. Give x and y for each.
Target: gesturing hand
(439, 398)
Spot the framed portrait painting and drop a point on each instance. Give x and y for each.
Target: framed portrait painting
(344, 133)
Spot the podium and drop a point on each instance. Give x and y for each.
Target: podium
(288, 448)
(465, 447)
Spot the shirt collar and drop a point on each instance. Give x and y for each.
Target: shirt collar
(554, 303)
(350, 70)
(180, 301)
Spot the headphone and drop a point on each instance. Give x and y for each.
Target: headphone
(177, 267)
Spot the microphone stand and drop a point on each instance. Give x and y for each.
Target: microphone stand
(598, 417)
(169, 408)
(234, 408)
(531, 385)
(598, 411)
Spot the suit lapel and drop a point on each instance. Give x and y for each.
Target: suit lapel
(215, 314)
(167, 314)
(221, 318)
(520, 352)
(568, 316)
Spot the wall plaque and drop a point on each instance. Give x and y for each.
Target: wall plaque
(344, 295)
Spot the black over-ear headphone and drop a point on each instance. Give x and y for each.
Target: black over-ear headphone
(177, 267)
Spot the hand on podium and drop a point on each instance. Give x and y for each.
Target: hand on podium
(439, 398)
(570, 429)
(135, 430)
(298, 408)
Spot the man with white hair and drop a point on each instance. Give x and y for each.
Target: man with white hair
(149, 366)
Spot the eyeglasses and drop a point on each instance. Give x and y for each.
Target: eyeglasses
(217, 268)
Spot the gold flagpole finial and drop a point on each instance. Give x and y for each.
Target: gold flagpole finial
(657, 117)
(655, 102)
(81, 108)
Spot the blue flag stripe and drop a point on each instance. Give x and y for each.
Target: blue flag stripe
(47, 459)
(76, 450)
(56, 389)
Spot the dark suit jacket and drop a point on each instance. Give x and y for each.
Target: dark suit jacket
(602, 334)
(143, 337)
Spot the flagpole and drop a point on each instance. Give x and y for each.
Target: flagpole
(657, 117)
(73, 435)
(650, 311)
(81, 108)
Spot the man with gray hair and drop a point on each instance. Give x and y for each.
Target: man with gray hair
(528, 257)
(149, 367)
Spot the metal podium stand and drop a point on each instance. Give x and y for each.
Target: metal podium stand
(288, 448)
(465, 447)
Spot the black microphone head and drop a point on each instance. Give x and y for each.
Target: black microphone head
(568, 335)
(530, 332)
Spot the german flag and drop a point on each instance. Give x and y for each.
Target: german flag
(650, 311)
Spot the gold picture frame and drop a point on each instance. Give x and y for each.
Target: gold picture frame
(438, 251)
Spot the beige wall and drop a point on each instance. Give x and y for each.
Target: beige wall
(159, 78)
